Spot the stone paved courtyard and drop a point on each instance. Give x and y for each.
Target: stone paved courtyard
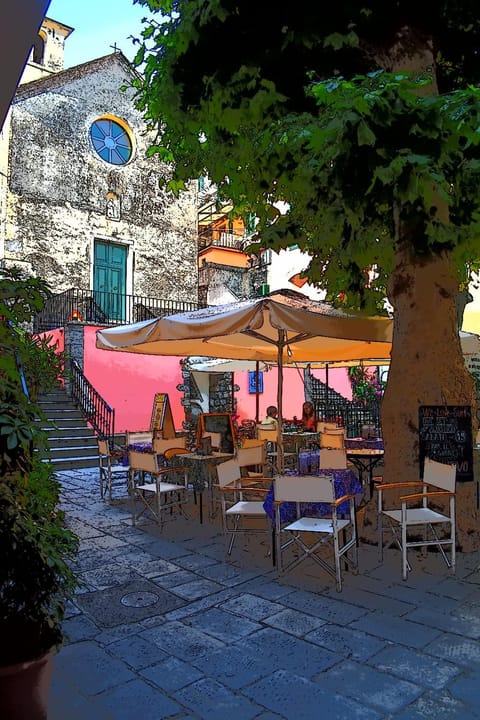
(162, 627)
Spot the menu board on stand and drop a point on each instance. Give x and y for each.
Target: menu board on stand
(161, 423)
(445, 435)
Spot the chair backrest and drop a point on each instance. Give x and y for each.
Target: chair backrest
(252, 442)
(267, 432)
(440, 475)
(333, 459)
(143, 461)
(228, 472)
(141, 436)
(103, 448)
(304, 488)
(332, 439)
(323, 426)
(215, 437)
(255, 455)
(160, 445)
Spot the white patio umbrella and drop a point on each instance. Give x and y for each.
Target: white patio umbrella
(282, 327)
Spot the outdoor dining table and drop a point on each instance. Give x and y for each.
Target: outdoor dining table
(365, 455)
(345, 483)
(200, 465)
(300, 439)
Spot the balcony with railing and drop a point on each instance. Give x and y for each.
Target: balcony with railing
(104, 308)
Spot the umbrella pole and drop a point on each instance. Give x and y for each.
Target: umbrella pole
(327, 418)
(257, 394)
(281, 344)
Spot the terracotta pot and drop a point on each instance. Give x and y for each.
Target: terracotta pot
(24, 689)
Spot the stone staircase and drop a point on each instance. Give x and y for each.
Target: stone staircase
(73, 444)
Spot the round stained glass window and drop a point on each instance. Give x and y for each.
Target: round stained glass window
(111, 141)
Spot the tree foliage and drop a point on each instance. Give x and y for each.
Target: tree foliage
(27, 359)
(310, 108)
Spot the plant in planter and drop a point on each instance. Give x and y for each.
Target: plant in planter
(366, 387)
(37, 550)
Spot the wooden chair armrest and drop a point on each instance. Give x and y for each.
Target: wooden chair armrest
(342, 499)
(243, 489)
(392, 486)
(164, 471)
(252, 482)
(416, 496)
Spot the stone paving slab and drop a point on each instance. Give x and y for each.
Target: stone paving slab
(293, 696)
(233, 641)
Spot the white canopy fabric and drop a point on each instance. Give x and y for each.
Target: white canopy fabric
(284, 326)
(223, 365)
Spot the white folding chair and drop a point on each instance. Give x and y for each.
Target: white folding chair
(323, 426)
(407, 523)
(166, 490)
(333, 459)
(294, 542)
(253, 460)
(268, 434)
(160, 445)
(112, 474)
(332, 439)
(236, 509)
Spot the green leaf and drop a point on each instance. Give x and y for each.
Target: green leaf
(365, 136)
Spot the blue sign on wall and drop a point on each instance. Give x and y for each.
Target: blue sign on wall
(252, 383)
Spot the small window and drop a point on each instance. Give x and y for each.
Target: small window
(39, 48)
(112, 140)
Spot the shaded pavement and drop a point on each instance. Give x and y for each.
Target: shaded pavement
(164, 628)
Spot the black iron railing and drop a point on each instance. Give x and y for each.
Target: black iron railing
(94, 408)
(351, 415)
(104, 308)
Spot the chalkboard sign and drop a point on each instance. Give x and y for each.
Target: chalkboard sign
(217, 423)
(445, 435)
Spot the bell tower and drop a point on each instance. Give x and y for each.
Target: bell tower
(46, 56)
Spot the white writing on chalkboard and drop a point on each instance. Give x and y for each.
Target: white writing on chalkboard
(445, 435)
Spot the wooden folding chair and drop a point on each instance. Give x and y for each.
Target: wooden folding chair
(164, 491)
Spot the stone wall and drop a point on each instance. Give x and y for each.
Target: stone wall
(60, 192)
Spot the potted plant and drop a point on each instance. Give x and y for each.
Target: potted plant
(37, 549)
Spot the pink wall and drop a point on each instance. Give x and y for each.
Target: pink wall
(337, 380)
(293, 394)
(128, 382)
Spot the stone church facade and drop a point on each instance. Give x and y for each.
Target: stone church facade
(80, 202)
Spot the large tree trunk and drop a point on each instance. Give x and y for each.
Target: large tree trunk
(427, 368)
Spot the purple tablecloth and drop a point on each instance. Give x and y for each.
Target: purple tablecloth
(363, 444)
(346, 483)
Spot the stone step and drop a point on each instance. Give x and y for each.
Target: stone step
(76, 431)
(64, 413)
(73, 441)
(74, 462)
(66, 422)
(77, 450)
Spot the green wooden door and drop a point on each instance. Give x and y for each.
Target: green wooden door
(109, 280)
